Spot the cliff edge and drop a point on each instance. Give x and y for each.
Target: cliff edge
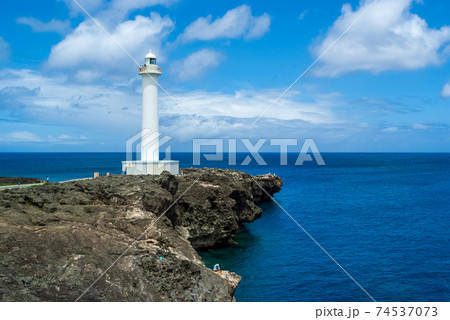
(57, 239)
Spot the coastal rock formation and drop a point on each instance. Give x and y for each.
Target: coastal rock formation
(129, 238)
(216, 206)
(17, 180)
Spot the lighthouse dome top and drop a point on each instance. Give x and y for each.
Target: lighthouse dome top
(150, 58)
(150, 55)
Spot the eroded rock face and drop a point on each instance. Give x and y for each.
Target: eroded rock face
(216, 206)
(57, 239)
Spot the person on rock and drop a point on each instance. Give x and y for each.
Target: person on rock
(216, 268)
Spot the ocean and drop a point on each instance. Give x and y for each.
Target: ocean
(384, 217)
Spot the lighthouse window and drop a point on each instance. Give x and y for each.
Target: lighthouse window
(152, 61)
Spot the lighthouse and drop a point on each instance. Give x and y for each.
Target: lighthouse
(150, 135)
(150, 110)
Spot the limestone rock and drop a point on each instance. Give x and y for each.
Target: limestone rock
(56, 240)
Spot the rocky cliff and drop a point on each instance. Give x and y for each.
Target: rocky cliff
(57, 239)
(21, 180)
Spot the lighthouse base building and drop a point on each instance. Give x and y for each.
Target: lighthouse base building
(142, 167)
(149, 136)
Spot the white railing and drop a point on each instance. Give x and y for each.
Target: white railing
(150, 69)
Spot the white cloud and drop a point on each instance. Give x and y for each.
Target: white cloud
(446, 91)
(27, 136)
(390, 129)
(302, 15)
(86, 75)
(61, 112)
(196, 64)
(54, 101)
(129, 6)
(419, 126)
(117, 10)
(91, 6)
(112, 12)
(53, 25)
(260, 27)
(236, 23)
(21, 136)
(388, 37)
(92, 53)
(5, 49)
(247, 105)
(115, 111)
(65, 139)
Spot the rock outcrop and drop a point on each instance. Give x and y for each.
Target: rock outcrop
(130, 238)
(218, 204)
(17, 180)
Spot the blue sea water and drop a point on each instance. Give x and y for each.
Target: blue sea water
(383, 217)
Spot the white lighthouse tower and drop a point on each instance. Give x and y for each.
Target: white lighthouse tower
(149, 136)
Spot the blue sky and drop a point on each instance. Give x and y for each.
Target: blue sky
(384, 86)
